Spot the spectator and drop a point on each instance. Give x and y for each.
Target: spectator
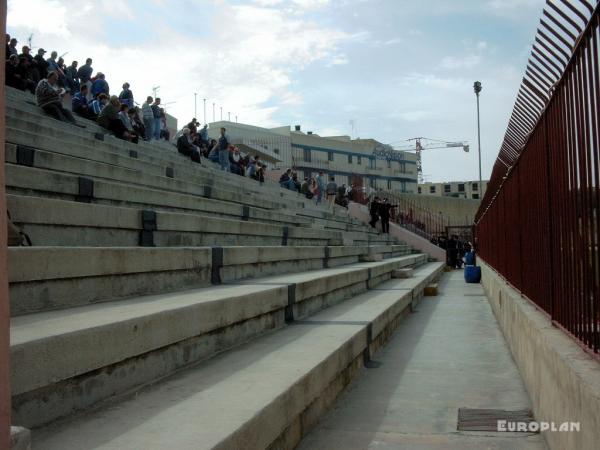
(374, 212)
(285, 179)
(148, 118)
(12, 75)
(313, 188)
(296, 182)
(80, 104)
(109, 119)
(224, 151)
(321, 183)
(164, 130)
(100, 86)
(34, 73)
(185, 146)
(62, 79)
(304, 187)
(384, 213)
(124, 116)
(156, 116)
(41, 63)
(85, 75)
(49, 98)
(260, 173)
(331, 190)
(12, 48)
(7, 46)
(138, 125)
(252, 166)
(126, 96)
(204, 134)
(24, 70)
(235, 160)
(72, 78)
(213, 154)
(98, 104)
(52, 64)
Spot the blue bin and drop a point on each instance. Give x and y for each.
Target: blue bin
(472, 274)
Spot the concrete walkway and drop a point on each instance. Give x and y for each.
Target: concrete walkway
(449, 354)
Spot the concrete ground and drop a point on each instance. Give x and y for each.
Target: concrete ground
(449, 354)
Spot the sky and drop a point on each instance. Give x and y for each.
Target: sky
(397, 69)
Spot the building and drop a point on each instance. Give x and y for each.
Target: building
(460, 189)
(348, 160)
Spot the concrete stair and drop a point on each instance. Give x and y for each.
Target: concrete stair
(147, 269)
(264, 394)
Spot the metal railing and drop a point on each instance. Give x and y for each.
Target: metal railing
(538, 224)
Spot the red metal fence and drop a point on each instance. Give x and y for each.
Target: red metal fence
(538, 224)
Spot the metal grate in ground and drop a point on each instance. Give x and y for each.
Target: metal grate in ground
(473, 419)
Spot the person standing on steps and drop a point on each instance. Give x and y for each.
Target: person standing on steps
(156, 114)
(331, 190)
(223, 146)
(384, 214)
(374, 211)
(321, 184)
(148, 118)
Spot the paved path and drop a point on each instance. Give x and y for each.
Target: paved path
(449, 354)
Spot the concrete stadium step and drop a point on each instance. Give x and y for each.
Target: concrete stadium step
(32, 119)
(47, 278)
(51, 222)
(265, 394)
(58, 365)
(125, 170)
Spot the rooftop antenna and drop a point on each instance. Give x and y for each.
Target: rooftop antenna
(155, 90)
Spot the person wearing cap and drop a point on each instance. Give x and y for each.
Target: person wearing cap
(48, 96)
(42, 65)
(100, 86)
(126, 96)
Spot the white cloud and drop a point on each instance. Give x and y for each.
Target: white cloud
(243, 66)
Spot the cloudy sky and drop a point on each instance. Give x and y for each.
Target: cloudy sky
(397, 68)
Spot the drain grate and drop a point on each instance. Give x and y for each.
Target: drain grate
(474, 295)
(472, 419)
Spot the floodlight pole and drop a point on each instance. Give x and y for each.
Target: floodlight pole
(477, 88)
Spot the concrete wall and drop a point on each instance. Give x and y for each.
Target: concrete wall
(460, 211)
(4, 304)
(562, 379)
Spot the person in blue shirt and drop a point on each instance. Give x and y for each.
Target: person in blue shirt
(98, 104)
(80, 104)
(204, 134)
(100, 86)
(156, 112)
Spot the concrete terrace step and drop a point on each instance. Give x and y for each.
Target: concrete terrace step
(51, 222)
(55, 356)
(265, 394)
(46, 278)
(126, 170)
(22, 117)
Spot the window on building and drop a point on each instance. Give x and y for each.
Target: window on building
(349, 159)
(359, 160)
(389, 163)
(276, 151)
(329, 156)
(372, 183)
(461, 187)
(475, 186)
(432, 189)
(447, 188)
(371, 163)
(475, 196)
(419, 189)
(402, 167)
(389, 184)
(307, 155)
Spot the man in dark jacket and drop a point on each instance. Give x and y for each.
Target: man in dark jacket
(185, 146)
(384, 213)
(374, 211)
(41, 64)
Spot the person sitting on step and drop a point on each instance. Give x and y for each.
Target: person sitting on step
(80, 104)
(49, 98)
(109, 119)
(185, 146)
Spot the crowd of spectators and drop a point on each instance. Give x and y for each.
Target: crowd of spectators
(50, 80)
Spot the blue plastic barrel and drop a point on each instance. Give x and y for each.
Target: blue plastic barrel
(472, 274)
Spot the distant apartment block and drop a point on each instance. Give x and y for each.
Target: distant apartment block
(460, 189)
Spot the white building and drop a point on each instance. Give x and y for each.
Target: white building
(348, 160)
(460, 189)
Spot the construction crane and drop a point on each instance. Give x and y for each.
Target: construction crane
(391, 152)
